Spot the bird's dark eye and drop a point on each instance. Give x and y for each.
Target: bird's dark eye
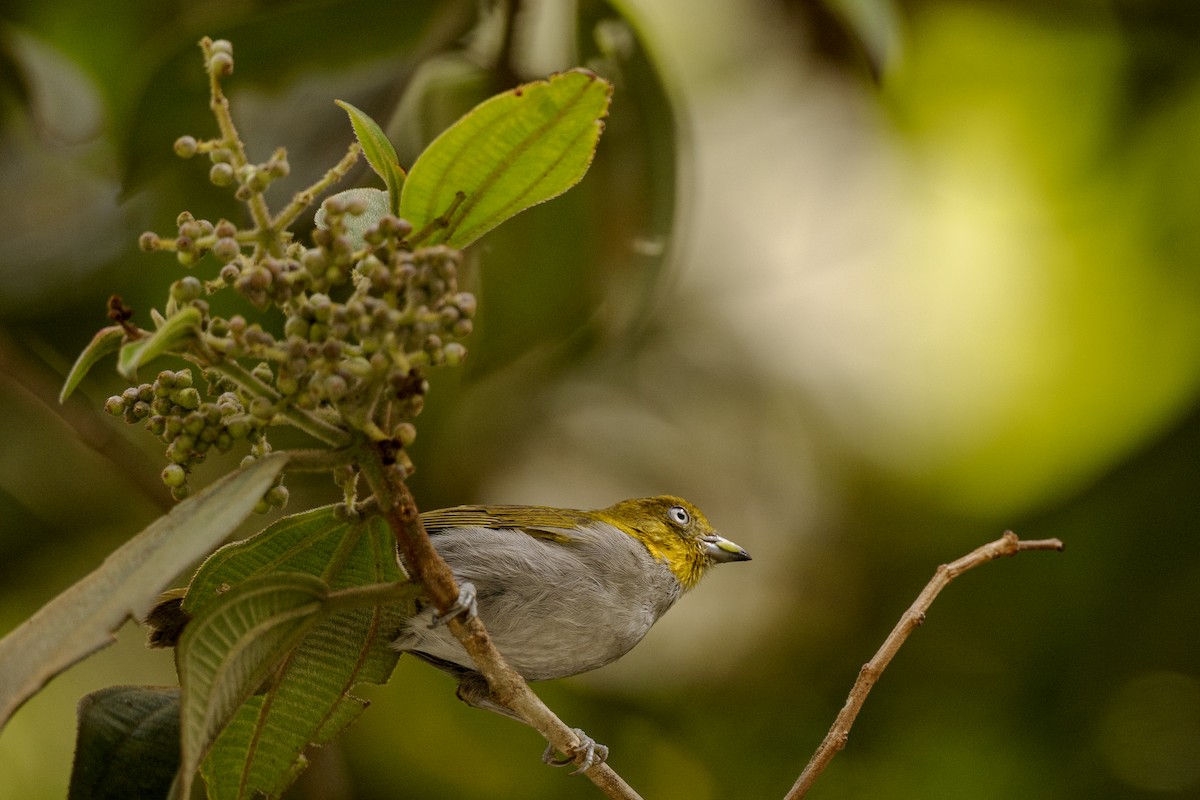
(679, 515)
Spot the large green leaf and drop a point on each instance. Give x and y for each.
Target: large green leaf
(83, 618)
(309, 701)
(513, 151)
(128, 744)
(227, 653)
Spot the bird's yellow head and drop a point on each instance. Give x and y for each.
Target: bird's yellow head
(675, 532)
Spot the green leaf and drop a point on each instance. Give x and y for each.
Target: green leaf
(128, 744)
(310, 701)
(380, 153)
(177, 329)
(513, 151)
(83, 618)
(228, 652)
(106, 341)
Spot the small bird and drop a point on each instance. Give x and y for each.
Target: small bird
(562, 591)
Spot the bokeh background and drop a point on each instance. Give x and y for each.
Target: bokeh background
(870, 282)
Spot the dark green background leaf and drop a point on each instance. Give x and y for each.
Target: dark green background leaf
(128, 744)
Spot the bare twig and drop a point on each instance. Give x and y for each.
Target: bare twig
(506, 684)
(835, 740)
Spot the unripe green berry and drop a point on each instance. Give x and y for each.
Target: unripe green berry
(114, 406)
(262, 371)
(149, 241)
(466, 303)
(238, 427)
(183, 378)
(174, 475)
(296, 326)
(181, 492)
(405, 433)
(321, 307)
(221, 174)
(188, 398)
(261, 507)
(262, 408)
(229, 273)
(277, 496)
(314, 260)
(177, 452)
(157, 425)
(335, 387)
(185, 146)
(221, 64)
(193, 424)
(191, 229)
(186, 289)
(287, 385)
(226, 249)
(454, 353)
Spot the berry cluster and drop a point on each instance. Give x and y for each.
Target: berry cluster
(172, 410)
(364, 313)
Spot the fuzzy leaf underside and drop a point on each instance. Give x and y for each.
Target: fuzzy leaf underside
(513, 151)
(227, 653)
(83, 618)
(309, 701)
(355, 227)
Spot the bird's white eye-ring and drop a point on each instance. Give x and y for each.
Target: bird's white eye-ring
(679, 515)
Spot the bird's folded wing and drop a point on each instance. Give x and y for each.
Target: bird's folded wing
(550, 523)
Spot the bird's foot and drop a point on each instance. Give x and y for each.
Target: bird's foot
(465, 604)
(587, 754)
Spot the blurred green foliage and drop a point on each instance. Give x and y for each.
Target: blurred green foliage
(870, 283)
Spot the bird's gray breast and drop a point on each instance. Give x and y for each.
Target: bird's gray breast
(553, 609)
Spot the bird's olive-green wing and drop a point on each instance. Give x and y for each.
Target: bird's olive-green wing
(550, 523)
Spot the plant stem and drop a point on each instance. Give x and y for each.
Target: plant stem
(839, 733)
(219, 104)
(304, 198)
(311, 424)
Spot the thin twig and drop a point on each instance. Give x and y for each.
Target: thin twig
(506, 684)
(835, 740)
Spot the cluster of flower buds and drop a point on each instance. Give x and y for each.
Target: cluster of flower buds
(173, 410)
(364, 313)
